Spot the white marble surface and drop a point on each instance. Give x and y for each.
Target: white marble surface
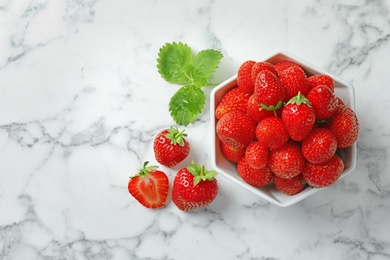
(81, 101)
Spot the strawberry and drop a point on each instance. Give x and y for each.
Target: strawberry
(236, 129)
(244, 77)
(319, 146)
(294, 80)
(324, 101)
(269, 92)
(194, 187)
(258, 112)
(262, 65)
(324, 174)
(256, 155)
(234, 99)
(255, 177)
(290, 186)
(345, 126)
(298, 117)
(271, 132)
(149, 186)
(320, 79)
(170, 147)
(285, 64)
(287, 161)
(233, 154)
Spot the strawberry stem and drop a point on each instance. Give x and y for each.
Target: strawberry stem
(176, 136)
(299, 99)
(200, 173)
(145, 170)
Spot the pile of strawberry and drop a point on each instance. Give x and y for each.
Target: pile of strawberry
(284, 127)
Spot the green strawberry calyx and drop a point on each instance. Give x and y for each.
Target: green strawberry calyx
(145, 170)
(176, 136)
(200, 173)
(299, 99)
(271, 107)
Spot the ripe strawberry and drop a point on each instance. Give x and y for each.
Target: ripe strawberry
(324, 101)
(255, 177)
(149, 186)
(256, 155)
(244, 77)
(269, 92)
(236, 129)
(298, 117)
(285, 64)
(290, 186)
(319, 146)
(324, 174)
(271, 132)
(194, 187)
(287, 161)
(233, 154)
(258, 112)
(170, 147)
(262, 65)
(234, 99)
(295, 81)
(345, 126)
(320, 79)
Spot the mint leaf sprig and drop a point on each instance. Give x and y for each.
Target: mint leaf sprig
(177, 64)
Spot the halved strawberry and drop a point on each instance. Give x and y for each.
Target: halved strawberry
(149, 186)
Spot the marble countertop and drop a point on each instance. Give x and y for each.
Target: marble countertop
(81, 101)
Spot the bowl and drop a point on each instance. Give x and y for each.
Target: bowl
(343, 90)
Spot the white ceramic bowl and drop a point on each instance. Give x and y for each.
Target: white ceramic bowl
(343, 89)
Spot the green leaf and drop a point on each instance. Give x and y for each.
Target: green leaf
(186, 104)
(205, 64)
(174, 63)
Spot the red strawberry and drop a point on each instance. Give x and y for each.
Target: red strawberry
(256, 155)
(345, 126)
(319, 146)
(170, 147)
(258, 112)
(194, 187)
(244, 77)
(233, 154)
(255, 177)
(298, 117)
(234, 99)
(324, 101)
(271, 132)
(290, 186)
(323, 174)
(269, 92)
(320, 79)
(262, 65)
(285, 64)
(287, 161)
(295, 81)
(149, 186)
(236, 129)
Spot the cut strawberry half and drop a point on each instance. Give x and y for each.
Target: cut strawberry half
(149, 186)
